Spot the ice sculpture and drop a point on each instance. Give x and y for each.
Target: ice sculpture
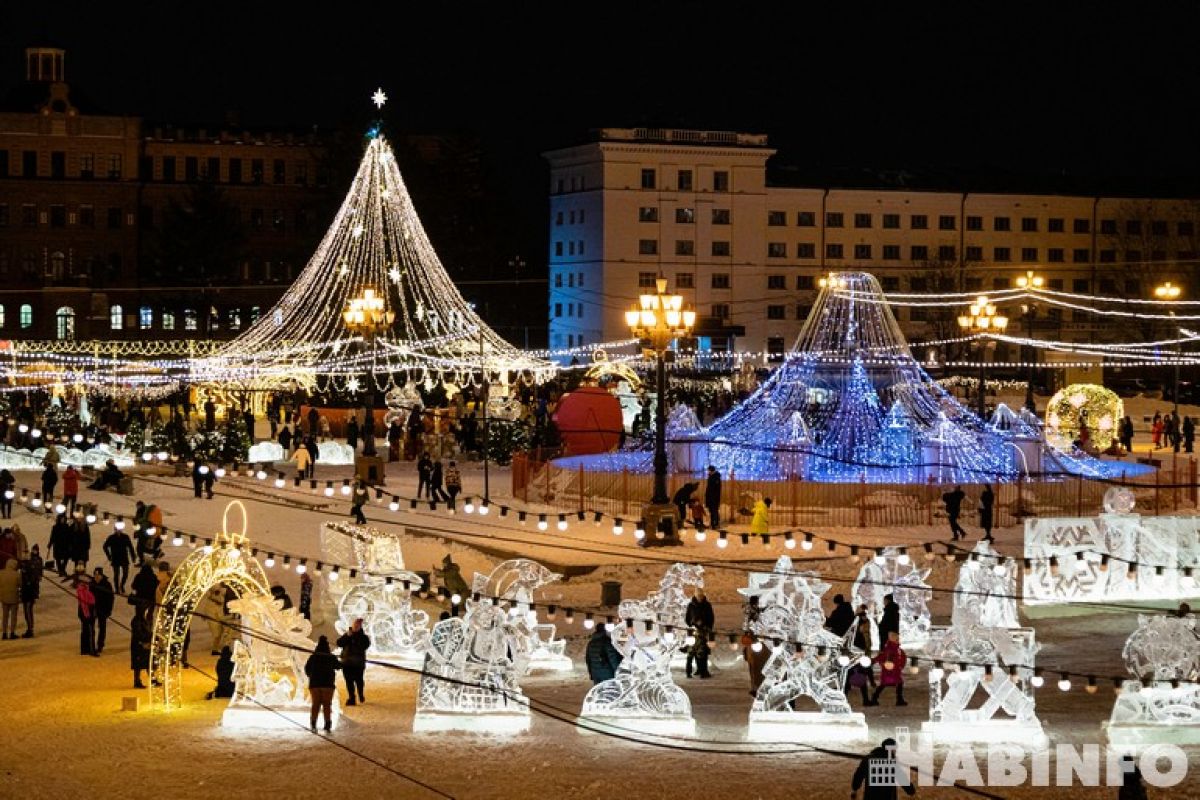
(998, 660)
(987, 589)
(474, 661)
(266, 452)
(381, 595)
(14, 459)
(268, 666)
(643, 694)
(1083, 559)
(790, 612)
(891, 572)
(1162, 703)
(515, 581)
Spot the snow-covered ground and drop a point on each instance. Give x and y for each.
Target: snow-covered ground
(65, 734)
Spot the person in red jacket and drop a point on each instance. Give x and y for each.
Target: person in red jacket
(70, 481)
(87, 616)
(891, 673)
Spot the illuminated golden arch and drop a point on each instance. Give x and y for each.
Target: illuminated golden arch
(226, 562)
(616, 368)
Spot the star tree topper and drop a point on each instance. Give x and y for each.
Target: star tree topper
(379, 98)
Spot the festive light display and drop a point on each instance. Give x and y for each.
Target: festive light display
(97, 456)
(789, 605)
(1083, 413)
(892, 572)
(1157, 706)
(643, 695)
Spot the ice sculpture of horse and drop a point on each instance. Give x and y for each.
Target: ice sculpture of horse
(891, 572)
(643, 693)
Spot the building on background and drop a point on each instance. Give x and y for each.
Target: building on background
(748, 251)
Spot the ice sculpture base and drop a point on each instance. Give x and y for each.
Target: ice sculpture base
(550, 663)
(655, 726)
(262, 718)
(499, 723)
(987, 731)
(1122, 734)
(803, 726)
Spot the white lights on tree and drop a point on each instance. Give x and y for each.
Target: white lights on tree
(987, 589)
(789, 612)
(898, 577)
(643, 695)
(1162, 703)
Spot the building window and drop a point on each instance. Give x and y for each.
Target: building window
(646, 247)
(1133, 256)
(1108, 227)
(776, 249)
(806, 250)
(834, 219)
(974, 223)
(87, 216)
(26, 316)
(1133, 287)
(558, 281)
(685, 216)
(645, 214)
(114, 167)
(558, 248)
(648, 179)
(87, 166)
(29, 164)
(918, 252)
(862, 220)
(256, 218)
(278, 171)
(558, 218)
(168, 169)
(29, 215)
(1055, 225)
(804, 283)
(890, 283)
(570, 248)
(720, 311)
(1185, 228)
(720, 216)
(1081, 255)
(1055, 255)
(557, 310)
(1, 316)
(918, 284)
(685, 180)
(806, 219)
(1082, 226)
(802, 311)
(190, 319)
(776, 312)
(1108, 286)
(1055, 283)
(891, 221)
(646, 280)
(833, 251)
(721, 181)
(776, 218)
(946, 222)
(720, 249)
(946, 252)
(58, 216)
(1001, 254)
(891, 252)
(58, 265)
(145, 318)
(919, 222)
(1000, 284)
(1158, 227)
(116, 318)
(862, 252)
(168, 320)
(1029, 224)
(974, 284)
(685, 247)
(64, 323)
(720, 280)
(235, 170)
(1001, 224)
(974, 253)
(777, 282)
(1080, 286)
(256, 170)
(1108, 256)
(685, 280)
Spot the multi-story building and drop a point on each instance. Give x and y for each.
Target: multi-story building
(697, 208)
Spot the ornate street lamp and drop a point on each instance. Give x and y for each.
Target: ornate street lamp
(658, 319)
(1169, 291)
(981, 318)
(1030, 283)
(368, 317)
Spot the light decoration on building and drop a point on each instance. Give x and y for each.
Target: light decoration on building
(789, 605)
(1162, 702)
(643, 696)
(1083, 411)
(892, 572)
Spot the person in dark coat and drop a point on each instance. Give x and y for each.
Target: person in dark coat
(85, 605)
(953, 502)
(285, 440)
(321, 669)
(31, 587)
(59, 547)
(890, 621)
(118, 549)
(354, 644)
(111, 476)
(886, 751)
(452, 579)
(81, 543)
(102, 590)
(842, 617)
(145, 588)
(279, 593)
(395, 437)
(352, 432)
(601, 657)
(424, 470)
(140, 634)
(712, 496)
(49, 481)
(314, 422)
(7, 492)
(682, 496)
(310, 444)
(700, 619)
(357, 501)
(987, 501)
(224, 669)
(436, 492)
(1189, 434)
(210, 415)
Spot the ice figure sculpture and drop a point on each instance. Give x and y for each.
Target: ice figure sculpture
(515, 581)
(643, 695)
(1162, 703)
(891, 572)
(268, 666)
(686, 450)
(789, 612)
(987, 589)
(381, 595)
(1092, 555)
(998, 660)
(474, 661)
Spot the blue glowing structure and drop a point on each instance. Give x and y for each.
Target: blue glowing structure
(850, 403)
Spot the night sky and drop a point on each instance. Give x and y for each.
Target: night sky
(1018, 89)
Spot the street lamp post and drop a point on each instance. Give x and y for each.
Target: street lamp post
(1030, 283)
(369, 317)
(981, 318)
(658, 319)
(1169, 291)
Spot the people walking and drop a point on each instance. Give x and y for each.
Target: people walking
(1126, 430)
(285, 439)
(70, 481)
(435, 483)
(306, 590)
(303, 461)
(1156, 430)
(314, 453)
(102, 590)
(891, 660)
(354, 644)
(358, 500)
(140, 634)
(424, 470)
(7, 492)
(889, 622)
(145, 587)
(59, 548)
(842, 617)
(352, 433)
(861, 677)
(453, 481)
(987, 501)
(953, 502)
(86, 608)
(31, 588)
(10, 597)
(700, 619)
(760, 523)
(601, 656)
(320, 669)
(873, 790)
(81, 543)
(118, 549)
(49, 481)
(712, 497)
(1189, 434)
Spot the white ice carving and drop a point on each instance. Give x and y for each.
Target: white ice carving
(986, 593)
(1162, 704)
(892, 573)
(269, 658)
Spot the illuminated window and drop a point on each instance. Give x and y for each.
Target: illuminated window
(189, 319)
(116, 318)
(64, 323)
(168, 320)
(26, 316)
(145, 318)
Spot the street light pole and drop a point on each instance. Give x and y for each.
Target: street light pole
(981, 318)
(1030, 283)
(369, 317)
(1169, 291)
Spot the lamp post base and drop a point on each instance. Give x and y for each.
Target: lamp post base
(662, 525)
(370, 469)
